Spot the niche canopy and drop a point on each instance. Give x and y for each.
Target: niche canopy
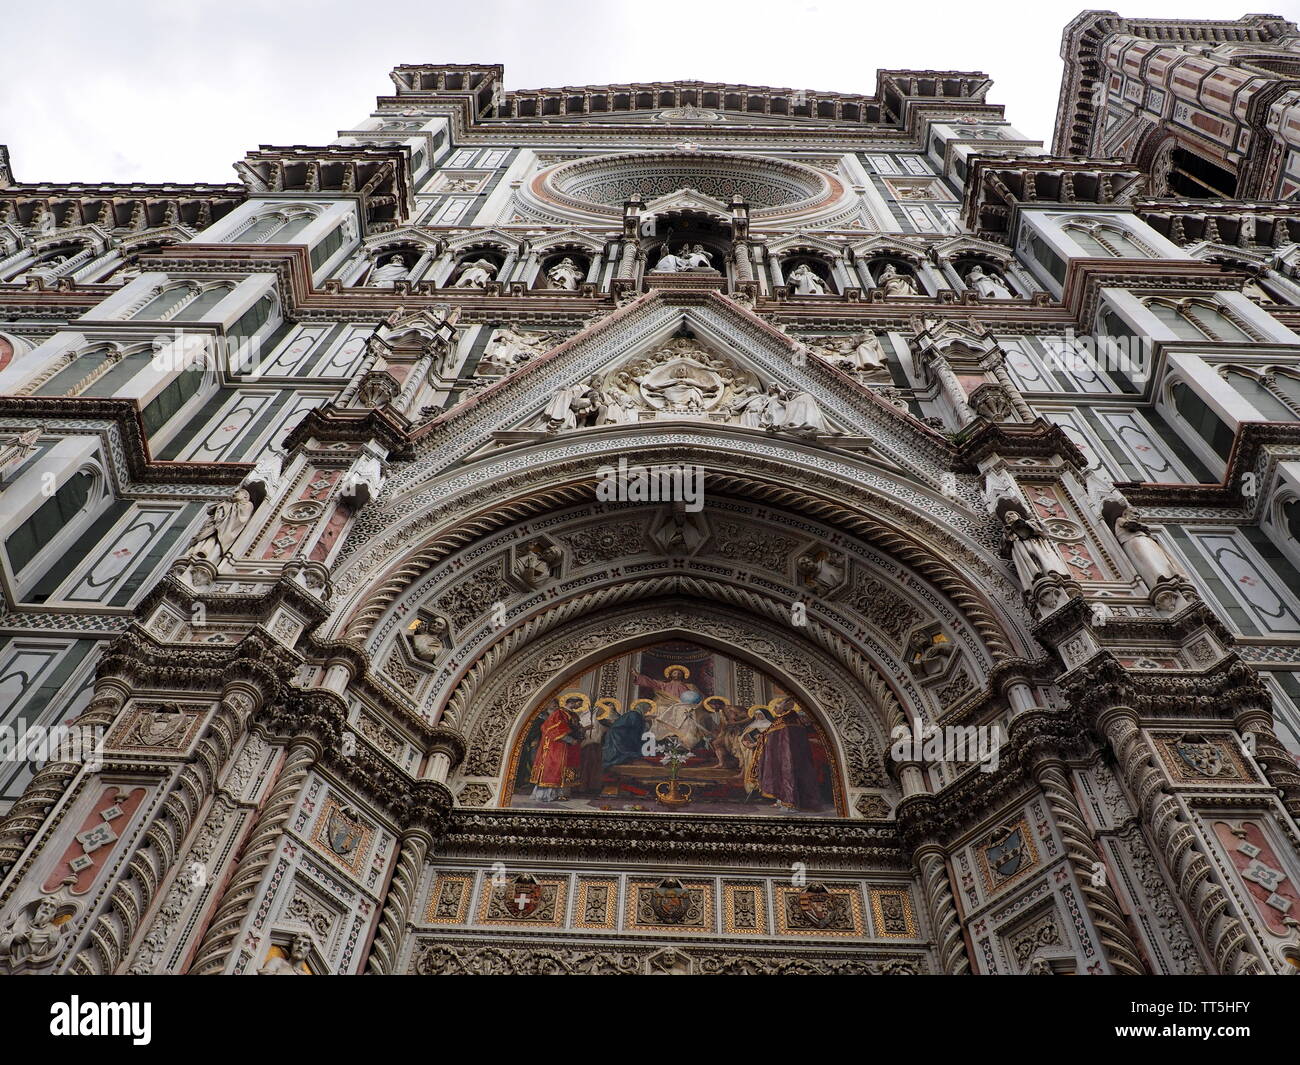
(599, 186)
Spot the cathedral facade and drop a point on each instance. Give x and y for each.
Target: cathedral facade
(669, 528)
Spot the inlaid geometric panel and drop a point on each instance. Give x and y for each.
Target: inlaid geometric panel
(597, 904)
(744, 908)
(449, 899)
(891, 913)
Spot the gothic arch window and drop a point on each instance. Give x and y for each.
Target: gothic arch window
(179, 391)
(62, 510)
(275, 227)
(1276, 396)
(1104, 240)
(165, 303)
(1201, 418)
(254, 318)
(187, 301)
(195, 309)
(117, 375)
(80, 367)
(1199, 319)
(674, 726)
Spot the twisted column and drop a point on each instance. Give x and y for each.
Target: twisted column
(1273, 758)
(429, 817)
(47, 786)
(627, 261)
(415, 845)
(115, 928)
(1220, 928)
(218, 941)
(1103, 906)
(943, 910)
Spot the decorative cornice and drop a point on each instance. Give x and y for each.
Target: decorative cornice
(997, 187)
(758, 841)
(354, 426)
(1037, 439)
(1102, 684)
(125, 415)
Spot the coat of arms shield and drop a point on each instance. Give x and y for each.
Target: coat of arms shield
(818, 905)
(670, 901)
(342, 833)
(1005, 851)
(525, 895)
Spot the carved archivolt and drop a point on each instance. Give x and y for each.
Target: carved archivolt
(968, 574)
(748, 557)
(508, 683)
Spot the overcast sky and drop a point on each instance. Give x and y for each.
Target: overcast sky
(177, 90)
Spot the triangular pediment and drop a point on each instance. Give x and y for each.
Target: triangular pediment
(964, 244)
(891, 245)
(686, 359)
(402, 235)
(687, 200)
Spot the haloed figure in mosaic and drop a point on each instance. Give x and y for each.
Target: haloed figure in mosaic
(680, 703)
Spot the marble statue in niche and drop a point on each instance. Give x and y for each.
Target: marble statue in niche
(1154, 564)
(387, 274)
(894, 283)
(687, 257)
(223, 524)
(988, 285)
(475, 274)
(806, 282)
(1033, 554)
(565, 275)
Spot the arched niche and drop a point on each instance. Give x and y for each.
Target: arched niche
(971, 265)
(675, 230)
(820, 265)
(895, 274)
(563, 268)
(390, 263)
(477, 266)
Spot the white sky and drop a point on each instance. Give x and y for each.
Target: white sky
(177, 90)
